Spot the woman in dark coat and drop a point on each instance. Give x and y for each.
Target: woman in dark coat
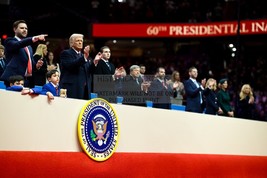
(224, 99)
(209, 93)
(245, 105)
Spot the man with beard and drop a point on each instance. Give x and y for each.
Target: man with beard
(19, 54)
(162, 91)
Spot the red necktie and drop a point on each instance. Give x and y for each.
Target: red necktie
(57, 91)
(29, 66)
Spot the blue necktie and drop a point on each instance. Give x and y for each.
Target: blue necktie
(195, 82)
(2, 63)
(108, 65)
(199, 92)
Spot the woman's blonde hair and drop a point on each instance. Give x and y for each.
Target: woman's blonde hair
(242, 93)
(40, 50)
(214, 87)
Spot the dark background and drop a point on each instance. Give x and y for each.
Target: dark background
(60, 19)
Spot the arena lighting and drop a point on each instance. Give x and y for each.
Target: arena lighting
(4, 36)
(114, 41)
(133, 41)
(231, 45)
(234, 49)
(233, 54)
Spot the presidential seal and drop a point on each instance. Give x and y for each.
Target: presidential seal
(98, 129)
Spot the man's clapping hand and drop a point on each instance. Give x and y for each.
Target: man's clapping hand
(120, 72)
(97, 58)
(86, 51)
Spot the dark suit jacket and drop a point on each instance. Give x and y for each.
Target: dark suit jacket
(75, 74)
(132, 92)
(17, 57)
(103, 83)
(244, 109)
(40, 75)
(161, 94)
(1, 68)
(103, 69)
(49, 87)
(192, 97)
(211, 101)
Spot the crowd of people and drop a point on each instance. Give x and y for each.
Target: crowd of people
(174, 11)
(78, 74)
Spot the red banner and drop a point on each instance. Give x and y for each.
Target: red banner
(247, 27)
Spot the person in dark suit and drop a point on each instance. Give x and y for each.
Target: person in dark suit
(245, 104)
(2, 59)
(212, 106)
(107, 78)
(193, 91)
(133, 89)
(19, 54)
(162, 91)
(40, 75)
(104, 66)
(76, 68)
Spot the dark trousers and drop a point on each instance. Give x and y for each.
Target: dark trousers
(85, 93)
(29, 82)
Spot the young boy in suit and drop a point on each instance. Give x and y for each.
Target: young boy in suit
(52, 88)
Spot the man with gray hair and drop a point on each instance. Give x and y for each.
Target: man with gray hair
(133, 89)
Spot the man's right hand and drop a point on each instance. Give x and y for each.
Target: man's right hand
(97, 58)
(39, 37)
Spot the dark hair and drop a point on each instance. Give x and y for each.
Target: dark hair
(15, 78)
(50, 73)
(222, 80)
(160, 68)
(142, 65)
(173, 75)
(16, 23)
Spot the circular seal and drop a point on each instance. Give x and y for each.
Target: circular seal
(98, 129)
